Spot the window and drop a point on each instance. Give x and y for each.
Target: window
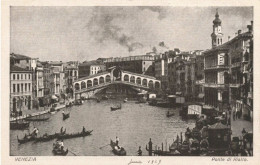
(29, 76)
(21, 87)
(13, 87)
(25, 87)
(13, 76)
(21, 76)
(25, 76)
(29, 87)
(17, 76)
(18, 88)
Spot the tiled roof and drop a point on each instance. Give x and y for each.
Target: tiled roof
(14, 68)
(88, 63)
(19, 56)
(225, 46)
(218, 125)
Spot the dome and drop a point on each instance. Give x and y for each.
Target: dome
(217, 20)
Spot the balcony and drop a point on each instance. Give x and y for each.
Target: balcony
(213, 85)
(235, 65)
(234, 85)
(216, 67)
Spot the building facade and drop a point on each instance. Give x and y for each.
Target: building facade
(90, 68)
(137, 64)
(241, 72)
(182, 77)
(20, 90)
(228, 71)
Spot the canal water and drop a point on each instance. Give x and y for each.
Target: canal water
(134, 124)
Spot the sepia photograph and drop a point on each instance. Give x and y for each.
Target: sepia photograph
(131, 81)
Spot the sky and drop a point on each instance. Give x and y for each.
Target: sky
(87, 33)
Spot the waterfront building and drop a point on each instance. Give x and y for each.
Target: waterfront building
(57, 77)
(216, 70)
(200, 77)
(241, 72)
(88, 68)
(161, 67)
(181, 75)
(228, 71)
(142, 64)
(46, 78)
(71, 74)
(20, 89)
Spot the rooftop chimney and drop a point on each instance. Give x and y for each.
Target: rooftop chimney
(239, 32)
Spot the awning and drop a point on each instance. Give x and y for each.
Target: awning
(201, 95)
(54, 97)
(172, 96)
(178, 93)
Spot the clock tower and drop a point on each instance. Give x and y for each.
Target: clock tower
(217, 34)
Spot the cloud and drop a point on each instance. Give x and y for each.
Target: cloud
(103, 28)
(162, 44)
(162, 12)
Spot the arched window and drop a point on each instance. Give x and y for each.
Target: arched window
(157, 85)
(83, 85)
(89, 83)
(138, 80)
(144, 82)
(108, 79)
(76, 86)
(126, 78)
(150, 84)
(132, 79)
(101, 80)
(95, 81)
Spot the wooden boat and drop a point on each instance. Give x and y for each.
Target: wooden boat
(169, 115)
(104, 98)
(75, 135)
(37, 118)
(46, 137)
(78, 102)
(65, 116)
(116, 151)
(69, 105)
(60, 152)
(115, 107)
(19, 125)
(26, 139)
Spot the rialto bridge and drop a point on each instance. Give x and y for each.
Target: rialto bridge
(115, 76)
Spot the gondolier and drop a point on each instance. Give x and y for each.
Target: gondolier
(117, 141)
(83, 129)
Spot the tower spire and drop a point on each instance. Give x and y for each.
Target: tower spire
(217, 33)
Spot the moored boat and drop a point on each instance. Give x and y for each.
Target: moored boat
(115, 107)
(169, 115)
(37, 118)
(120, 151)
(65, 116)
(75, 135)
(27, 138)
(19, 125)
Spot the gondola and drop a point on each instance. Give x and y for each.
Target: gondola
(169, 115)
(116, 150)
(65, 116)
(46, 137)
(75, 135)
(115, 108)
(60, 152)
(26, 139)
(69, 105)
(37, 118)
(19, 125)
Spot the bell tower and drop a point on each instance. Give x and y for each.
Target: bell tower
(216, 35)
